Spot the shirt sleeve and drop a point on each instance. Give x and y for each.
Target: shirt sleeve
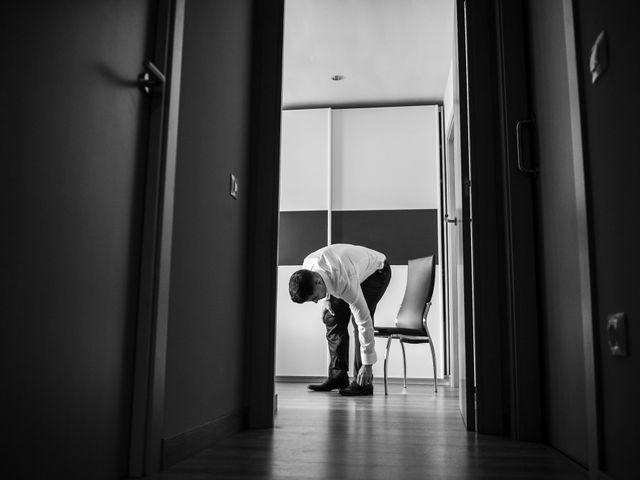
(361, 315)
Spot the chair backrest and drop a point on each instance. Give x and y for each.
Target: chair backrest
(420, 282)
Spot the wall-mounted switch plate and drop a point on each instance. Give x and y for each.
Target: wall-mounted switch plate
(233, 186)
(617, 334)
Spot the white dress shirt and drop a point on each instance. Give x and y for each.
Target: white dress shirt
(343, 268)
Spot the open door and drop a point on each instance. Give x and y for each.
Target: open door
(556, 168)
(457, 217)
(81, 107)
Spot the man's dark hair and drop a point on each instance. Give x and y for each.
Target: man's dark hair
(301, 286)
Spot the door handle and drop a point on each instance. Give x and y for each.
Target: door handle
(520, 125)
(453, 220)
(151, 79)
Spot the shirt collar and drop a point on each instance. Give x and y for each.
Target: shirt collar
(327, 283)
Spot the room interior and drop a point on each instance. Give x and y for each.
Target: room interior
(360, 159)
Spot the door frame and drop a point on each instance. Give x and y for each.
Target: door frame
(524, 382)
(263, 216)
(444, 277)
(483, 244)
(452, 321)
(147, 417)
(584, 249)
(478, 137)
(461, 134)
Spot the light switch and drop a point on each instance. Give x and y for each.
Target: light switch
(233, 186)
(617, 334)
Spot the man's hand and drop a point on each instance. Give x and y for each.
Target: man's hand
(326, 307)
(365, 375)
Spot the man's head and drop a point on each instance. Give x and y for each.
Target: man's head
(306, 286)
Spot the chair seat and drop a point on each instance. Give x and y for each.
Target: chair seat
(386, 331)
(413, 339)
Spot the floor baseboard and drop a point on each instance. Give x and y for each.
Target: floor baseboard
(191, 442)
(392, 381)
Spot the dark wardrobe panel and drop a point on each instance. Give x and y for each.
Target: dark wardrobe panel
(399, 234)
(300, 234)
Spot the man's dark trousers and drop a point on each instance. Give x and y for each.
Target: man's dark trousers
(337, 324)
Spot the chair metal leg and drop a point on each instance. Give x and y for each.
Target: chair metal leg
(433, 357)
(386, 359)
(404, 364)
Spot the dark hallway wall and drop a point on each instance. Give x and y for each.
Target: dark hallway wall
(610, 115)
(205, 338)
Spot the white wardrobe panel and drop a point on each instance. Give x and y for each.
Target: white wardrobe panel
(304, 159)
(302, 347)
(385, 158)
(300, 334)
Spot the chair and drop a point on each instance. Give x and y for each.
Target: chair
(411, 321)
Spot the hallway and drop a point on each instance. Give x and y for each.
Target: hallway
(417, 435)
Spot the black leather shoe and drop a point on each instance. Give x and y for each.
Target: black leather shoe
(355, 390)
(330, 384)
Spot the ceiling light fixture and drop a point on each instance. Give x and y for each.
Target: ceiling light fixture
(337, 78)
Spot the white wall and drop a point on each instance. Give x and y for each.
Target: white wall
(382, 158)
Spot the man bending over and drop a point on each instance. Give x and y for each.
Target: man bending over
(350, 281)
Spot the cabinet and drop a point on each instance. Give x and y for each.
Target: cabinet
(366, 176)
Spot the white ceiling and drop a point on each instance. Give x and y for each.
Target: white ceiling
(390, 52)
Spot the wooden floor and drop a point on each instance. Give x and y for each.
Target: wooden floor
(418, 435)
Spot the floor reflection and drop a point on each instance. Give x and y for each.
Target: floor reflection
(417, 435)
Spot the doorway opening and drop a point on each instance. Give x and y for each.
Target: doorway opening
(361, 157)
